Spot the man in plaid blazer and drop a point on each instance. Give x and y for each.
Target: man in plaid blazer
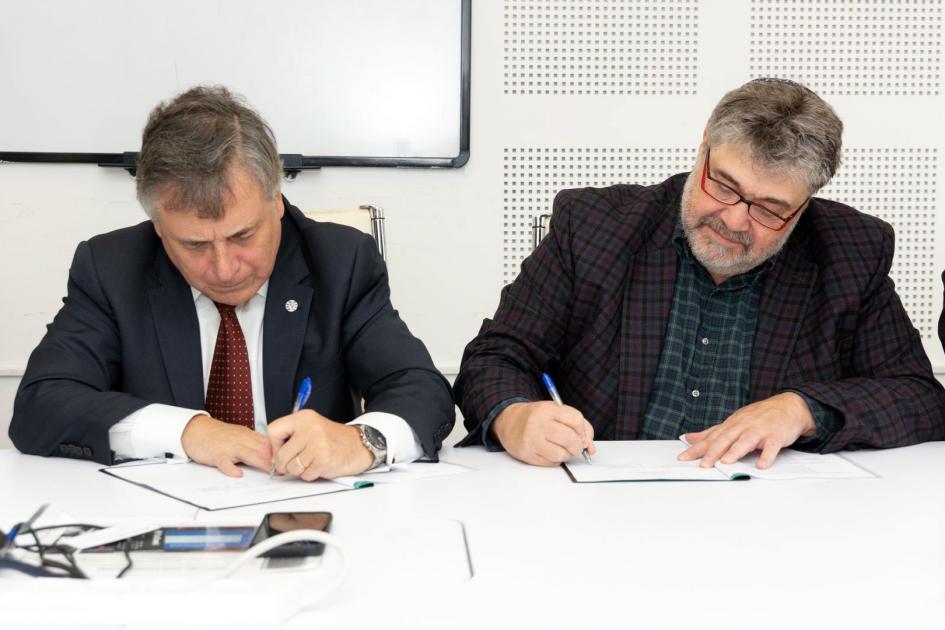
(727, 304)
(941, 321)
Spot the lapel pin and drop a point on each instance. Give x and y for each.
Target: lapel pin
(291, 306)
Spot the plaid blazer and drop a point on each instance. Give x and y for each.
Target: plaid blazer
(941, 320)
(592, 302)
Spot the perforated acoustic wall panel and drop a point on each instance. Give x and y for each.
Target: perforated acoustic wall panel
(600, 46)
(631, 73)
(894, 184)
(849, 47)
(534, 175)
(898, 186)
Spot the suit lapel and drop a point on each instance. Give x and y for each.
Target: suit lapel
(647, 301)
(178, 332)
(784, 300)
(288, 303)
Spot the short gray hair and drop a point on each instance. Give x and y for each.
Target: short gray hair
(190, 145)
(785, 125)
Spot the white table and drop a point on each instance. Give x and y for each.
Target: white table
(549, 553)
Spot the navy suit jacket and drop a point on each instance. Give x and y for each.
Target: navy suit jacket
(592, 303)
(127, 336)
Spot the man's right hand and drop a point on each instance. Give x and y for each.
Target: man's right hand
(543, 433)
(224, 445)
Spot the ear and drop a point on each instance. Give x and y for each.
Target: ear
(280, 205)
(705, 141)
(157, 228)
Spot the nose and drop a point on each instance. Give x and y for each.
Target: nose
(225, 264)
(736, 217)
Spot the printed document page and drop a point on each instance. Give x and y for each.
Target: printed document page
(791, 464)
(639, 460)
(400, 473)
(647, 460)
(208, 488)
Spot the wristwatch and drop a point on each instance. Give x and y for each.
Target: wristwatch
(375, 442)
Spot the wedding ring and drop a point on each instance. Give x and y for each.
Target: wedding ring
(301, 466)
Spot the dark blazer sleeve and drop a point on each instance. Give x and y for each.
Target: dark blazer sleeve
(386, 363)
(890, 397)
(76, 367)
(524, 337)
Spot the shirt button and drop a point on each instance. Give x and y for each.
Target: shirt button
(705, 341)
(695, 393)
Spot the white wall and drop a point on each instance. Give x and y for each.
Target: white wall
(453, 234)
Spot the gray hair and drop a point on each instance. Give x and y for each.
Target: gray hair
(190, 145)
(785, 125)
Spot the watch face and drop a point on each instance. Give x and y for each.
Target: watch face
(374, 437)
(374, 442)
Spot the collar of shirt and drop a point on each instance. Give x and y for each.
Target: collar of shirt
(261, 292)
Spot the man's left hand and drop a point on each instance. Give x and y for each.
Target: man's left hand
(310, 446)
(768, 425)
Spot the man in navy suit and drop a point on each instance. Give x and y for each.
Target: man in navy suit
(190, 333)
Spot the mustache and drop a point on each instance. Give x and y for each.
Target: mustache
(715, 223)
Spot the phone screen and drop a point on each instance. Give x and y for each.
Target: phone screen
(185, 539)
(279, 522)
(207, 538)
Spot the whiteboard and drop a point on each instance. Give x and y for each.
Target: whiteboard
(360, 79)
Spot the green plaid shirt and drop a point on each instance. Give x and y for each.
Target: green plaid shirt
(704, 367)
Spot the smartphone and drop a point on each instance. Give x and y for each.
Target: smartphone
(278, 522)
(206, 538)
(185, 539)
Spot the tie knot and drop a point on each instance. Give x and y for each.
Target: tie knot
(226, 311)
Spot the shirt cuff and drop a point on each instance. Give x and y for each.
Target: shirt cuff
(489, 440)
(403, 446)
(152, 431)
(827, 420)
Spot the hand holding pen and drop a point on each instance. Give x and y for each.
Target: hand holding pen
(555, 396)
(543, 433)
(305, 389)
(309, 446)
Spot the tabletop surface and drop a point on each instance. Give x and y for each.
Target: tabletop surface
(548, 552)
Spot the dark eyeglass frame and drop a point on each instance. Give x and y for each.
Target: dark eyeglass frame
(66, 566)
(747, 202)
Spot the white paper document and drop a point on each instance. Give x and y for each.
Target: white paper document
(209, 489)
(652, 460)
(400, 473)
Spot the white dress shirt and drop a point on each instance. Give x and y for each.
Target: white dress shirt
(156, 429)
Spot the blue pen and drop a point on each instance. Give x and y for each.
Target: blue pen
(300, 399)
(555, 396)
(304, 390)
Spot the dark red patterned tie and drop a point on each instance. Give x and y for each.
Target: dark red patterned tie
(229, 390)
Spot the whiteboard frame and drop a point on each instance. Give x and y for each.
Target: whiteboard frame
(293, 164)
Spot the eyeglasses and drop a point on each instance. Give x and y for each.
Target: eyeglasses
(723, 194)
(56, 559)
(65, 565)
